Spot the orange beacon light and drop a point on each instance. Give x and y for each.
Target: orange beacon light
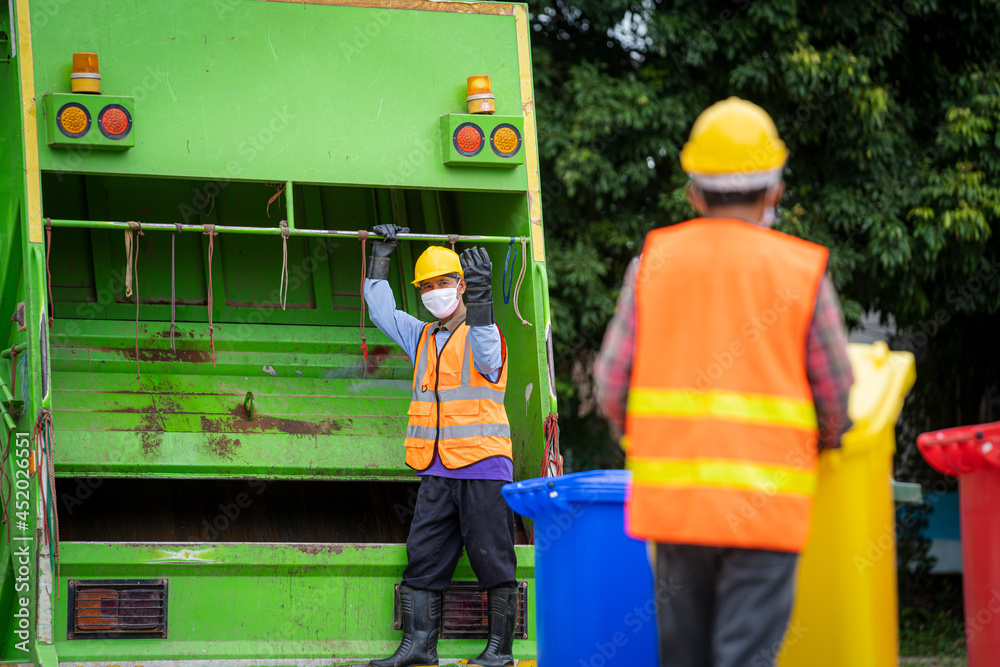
(86, 77)
(480, 97)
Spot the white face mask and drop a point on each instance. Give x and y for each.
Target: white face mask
(441, 302)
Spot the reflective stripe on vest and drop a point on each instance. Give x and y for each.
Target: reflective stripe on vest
(462, 393)
(465, 423)
(724, 405)
(454, 432)
(720, 423)
(735, 474)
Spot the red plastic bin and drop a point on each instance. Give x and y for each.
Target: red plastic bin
(972, 453)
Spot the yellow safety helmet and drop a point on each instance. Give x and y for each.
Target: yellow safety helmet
(734, 146)
(436, 261)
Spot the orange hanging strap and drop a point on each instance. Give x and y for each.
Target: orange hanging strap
(276, 195)
(211, 234)
(48, 271)
(363, 235)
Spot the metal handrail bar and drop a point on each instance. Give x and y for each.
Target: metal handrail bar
(16, 349)
(7, 419)
(7, 396)
(276, 231)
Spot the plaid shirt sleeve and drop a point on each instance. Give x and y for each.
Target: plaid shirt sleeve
(827, 366)
(613, 367)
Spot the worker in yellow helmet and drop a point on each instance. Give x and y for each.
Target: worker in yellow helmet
(726, 365)
(458, 441)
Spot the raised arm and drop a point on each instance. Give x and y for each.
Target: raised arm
(484, 334)
(402, 328)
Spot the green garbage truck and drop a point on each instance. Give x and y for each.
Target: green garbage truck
(202, 457)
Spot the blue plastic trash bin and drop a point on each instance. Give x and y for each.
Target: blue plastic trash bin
(594, 599)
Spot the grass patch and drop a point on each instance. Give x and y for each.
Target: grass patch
(933, 662)
(923, 632)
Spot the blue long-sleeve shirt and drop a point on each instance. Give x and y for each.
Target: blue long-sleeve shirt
(404, 330)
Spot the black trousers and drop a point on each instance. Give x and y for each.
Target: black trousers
(723, 607)
(451, 513)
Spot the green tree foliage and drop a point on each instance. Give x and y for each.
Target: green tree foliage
(891, 111)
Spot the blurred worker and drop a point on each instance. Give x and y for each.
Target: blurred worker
(458, 441)
(726, 364)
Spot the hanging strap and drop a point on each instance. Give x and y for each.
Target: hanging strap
(520, 280)
(129, 237)
(209, 231)
(402, 292)
(173, 294)
(392, 200)
(24, 384)
(3, 479)
(276, 195)
(363, 235)
(37, 464)
(13, 371)
(507, 263)
(132, 262)
(285, 233)
(53, 496)
(42, 440)
(399, 255)
(552, 461)
(48, 271)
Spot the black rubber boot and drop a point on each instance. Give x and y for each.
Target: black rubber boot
(421, 610)
(503, 620)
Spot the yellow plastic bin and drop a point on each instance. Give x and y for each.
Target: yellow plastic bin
(846, 603)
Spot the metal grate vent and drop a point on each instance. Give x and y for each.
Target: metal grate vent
(117, 608)
(465, 611)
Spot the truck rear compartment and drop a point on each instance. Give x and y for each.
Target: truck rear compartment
(260, 474)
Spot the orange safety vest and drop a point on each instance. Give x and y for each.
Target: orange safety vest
(721, 429)
(454, 407)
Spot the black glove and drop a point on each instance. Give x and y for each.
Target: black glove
(378, 262)
(478, 272)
